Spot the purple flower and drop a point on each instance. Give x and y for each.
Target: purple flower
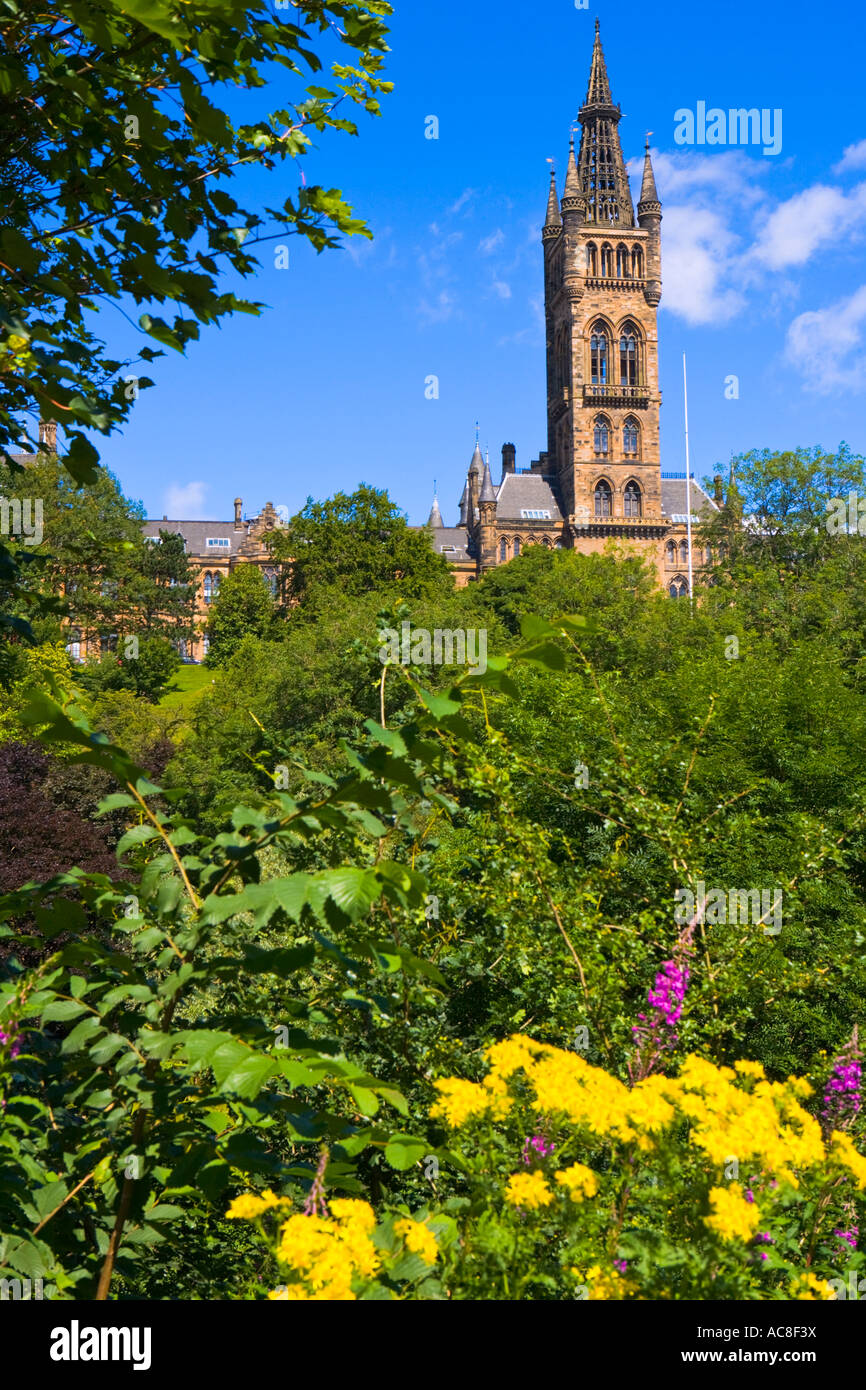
(621, 1265)
(848, 1237)
(538, 1145)
(657, 1033)
(842, 1092)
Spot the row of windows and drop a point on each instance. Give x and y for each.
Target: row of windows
(632, 501)
(619, 264)
(613, 360)
(509, 549)
(212, 583)
(602, 434)
(679, 554)
(600, 352)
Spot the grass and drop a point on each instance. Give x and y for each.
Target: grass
(190, 681)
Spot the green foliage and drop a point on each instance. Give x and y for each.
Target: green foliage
(244, 607)
(357, 543)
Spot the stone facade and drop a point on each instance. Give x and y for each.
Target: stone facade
(599, 480)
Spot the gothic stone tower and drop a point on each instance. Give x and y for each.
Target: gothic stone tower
(602, 289)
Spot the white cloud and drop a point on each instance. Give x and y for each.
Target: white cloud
(502, 289)
(827, 345)
(798, 227)
(442, 308)
(185, 503)
(465, 197)
(854, 157)
(698, 253)
(489, 244)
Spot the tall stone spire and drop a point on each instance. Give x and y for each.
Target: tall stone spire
(601, 167)
(553, 220)
(598, 91)
(435, 517)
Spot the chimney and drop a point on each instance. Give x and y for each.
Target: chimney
(718, 494)
(239, 525)
(48, 435)
(509, 459)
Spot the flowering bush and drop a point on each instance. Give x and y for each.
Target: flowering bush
(341, 1252)
(715, 1183)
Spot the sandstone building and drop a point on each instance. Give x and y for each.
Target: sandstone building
(599, 479)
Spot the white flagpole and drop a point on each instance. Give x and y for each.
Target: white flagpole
(688, 486)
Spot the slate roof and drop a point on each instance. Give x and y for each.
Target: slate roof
(519, 492)
(196, 533)
(455, 536)
(674, 500)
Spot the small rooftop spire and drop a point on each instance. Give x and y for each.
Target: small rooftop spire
(487, 490)
(553, 220)
(648, 192)
(435, 517)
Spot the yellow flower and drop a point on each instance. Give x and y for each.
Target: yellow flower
(528, 1191)
(848, 1156)
(464, 1100)
(733, 1217)
(419, 1239)
(328, 1255)
(580, 1181)
(605, 1285)
(746, 1068)
(249, 1206)
(807, 1289)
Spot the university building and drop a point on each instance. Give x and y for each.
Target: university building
(599, 480)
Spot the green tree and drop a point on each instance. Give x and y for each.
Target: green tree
(358, 542)
(119, 153)
(244, 607)
(165, 594)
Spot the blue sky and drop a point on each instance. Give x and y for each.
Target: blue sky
(763, 266)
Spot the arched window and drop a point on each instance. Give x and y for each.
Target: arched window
(607, 260)
(598, 355)
(628, 356)
(208, 587)
(271, 581)
(603, 499)
(631, 499)
(630, 437)
(678, 587)
(516, 546)
(591, 260)
(601, 435)
(503, 551)
(684, 553)
(671, 553)
(637, 263)
(622, 263)
(708, 556)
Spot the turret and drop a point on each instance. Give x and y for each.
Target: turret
(487, 512)
(649, 216)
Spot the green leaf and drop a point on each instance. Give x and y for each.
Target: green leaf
(62, 1010)
(404, 1150)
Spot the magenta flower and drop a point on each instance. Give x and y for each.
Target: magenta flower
(842, 1092)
